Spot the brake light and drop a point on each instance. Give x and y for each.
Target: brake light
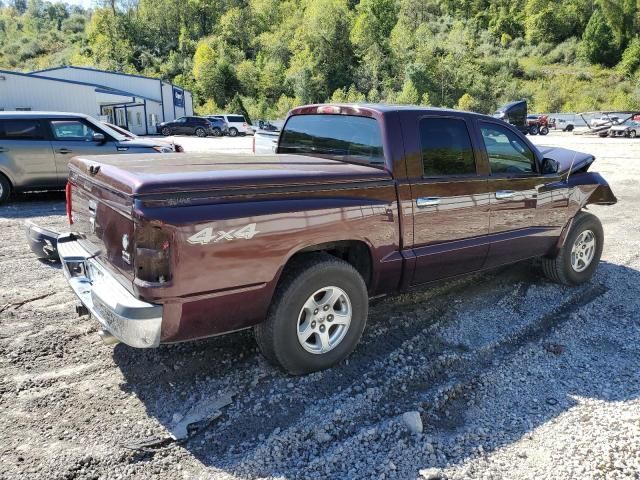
(67, 192)
(152, 261)
(328, 109)
(244, 124)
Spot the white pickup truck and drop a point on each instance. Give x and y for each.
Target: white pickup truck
(265, 140)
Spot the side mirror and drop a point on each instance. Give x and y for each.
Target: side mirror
(549, 166)
(99, 138)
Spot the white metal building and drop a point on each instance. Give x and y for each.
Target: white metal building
(133, 102)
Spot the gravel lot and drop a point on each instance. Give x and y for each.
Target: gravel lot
(513, 377)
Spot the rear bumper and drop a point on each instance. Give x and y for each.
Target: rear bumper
(42, 241)
(127, 318)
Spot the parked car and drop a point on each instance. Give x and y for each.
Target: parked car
(218, 125)
(628, 128)
(123, 131)
(35, 147)
(265, 141)
(186, 126)
(359, 201)
(604, 120)
(564, 124)
(237, 124)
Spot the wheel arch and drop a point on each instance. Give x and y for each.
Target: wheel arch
(356, 252)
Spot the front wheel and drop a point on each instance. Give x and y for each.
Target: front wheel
(544, 130)
(533, 130)
(632, 133)
(233, 132)
(217, 132)
(200, 132)
(578, 258)
(317, 317)
(166, 131)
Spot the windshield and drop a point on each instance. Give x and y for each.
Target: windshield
(340, 137)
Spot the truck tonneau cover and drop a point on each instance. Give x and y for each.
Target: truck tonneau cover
(167, 173)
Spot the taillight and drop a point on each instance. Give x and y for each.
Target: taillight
(152, 261)
(245, 125)
(67, 192)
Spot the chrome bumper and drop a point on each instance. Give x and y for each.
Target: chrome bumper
(130, 320)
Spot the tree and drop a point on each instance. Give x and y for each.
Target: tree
(631, 57)
(409, 94)
(467, 103)
(598, 43)
(236, 106)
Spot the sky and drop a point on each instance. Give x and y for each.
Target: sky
(81, 3)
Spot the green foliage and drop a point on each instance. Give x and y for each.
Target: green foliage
(631, 57)
(598, 43)
(266, 56)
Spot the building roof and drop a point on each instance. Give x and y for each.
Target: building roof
(41, 114)
(98, 87)
(90, 69)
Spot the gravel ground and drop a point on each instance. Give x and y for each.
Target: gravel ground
(513, 377)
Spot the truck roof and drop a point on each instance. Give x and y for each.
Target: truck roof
(372, 109)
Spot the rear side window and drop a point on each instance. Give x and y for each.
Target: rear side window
(21, 129)
(236, 118)
(343, 137)
(446, 147)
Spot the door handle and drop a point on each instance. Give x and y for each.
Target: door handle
(63, 150)
(500, 194)
(423, 202)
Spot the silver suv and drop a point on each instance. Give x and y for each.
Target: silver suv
(35, 147)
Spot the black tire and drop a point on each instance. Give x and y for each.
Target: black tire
(533, 130)
(166, 131)
(217, 132)
(632, 134)
(233, 132)
(200, 132)
(544, 130)
(569, 128)
(277, 336)
(559, 268)
(5, 189)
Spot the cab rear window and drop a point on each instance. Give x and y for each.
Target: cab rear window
(343, 137)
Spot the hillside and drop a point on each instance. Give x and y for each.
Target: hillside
(570, 55)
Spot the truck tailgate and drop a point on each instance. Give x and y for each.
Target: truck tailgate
(102, 218)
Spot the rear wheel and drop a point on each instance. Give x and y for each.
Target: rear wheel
(579, 257)
(233, 132)
(5, 189)
(533, 130)
(317, 316)
(200, 132)
(166, 131)
(217, 132)
(544, 130)
(569, 128)
(632, 133)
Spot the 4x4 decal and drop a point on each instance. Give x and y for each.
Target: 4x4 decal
(207, 235)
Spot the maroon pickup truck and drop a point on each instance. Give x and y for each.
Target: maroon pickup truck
(358, 201)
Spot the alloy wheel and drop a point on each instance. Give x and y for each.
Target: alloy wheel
(583, 251)
(324, 320)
